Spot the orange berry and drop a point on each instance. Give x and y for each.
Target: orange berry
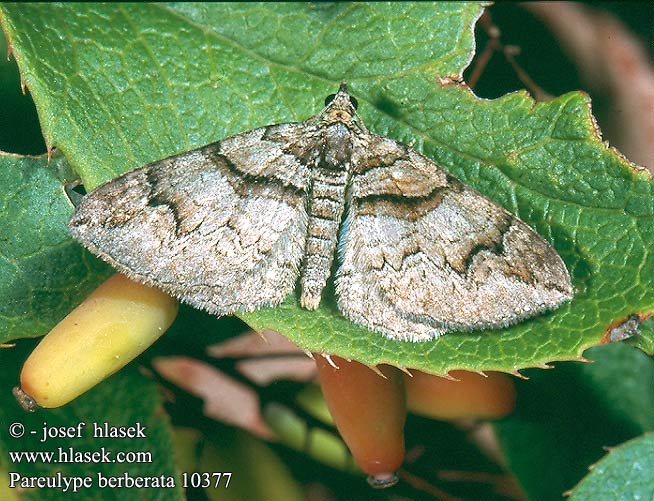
(369, 411)
(472, 396)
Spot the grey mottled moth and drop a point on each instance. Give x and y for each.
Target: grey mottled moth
(240, 223)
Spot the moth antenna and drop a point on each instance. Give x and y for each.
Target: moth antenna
(360, 123)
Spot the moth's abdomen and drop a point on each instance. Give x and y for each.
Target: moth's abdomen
(325, 211)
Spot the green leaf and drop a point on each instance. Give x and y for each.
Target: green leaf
(565, 417)
(43, 273)
(125, 399)
(117, 86)
(625, 473)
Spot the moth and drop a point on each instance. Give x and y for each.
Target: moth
(241, 223)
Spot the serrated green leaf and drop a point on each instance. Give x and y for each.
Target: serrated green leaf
(43, 273)
(625, 473)
(565, 417)
(123, 400)
(118, 86)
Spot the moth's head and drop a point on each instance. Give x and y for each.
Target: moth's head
(340, 107)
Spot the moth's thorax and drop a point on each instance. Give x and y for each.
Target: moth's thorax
(335, 148)
(340, 110)
(339, 116)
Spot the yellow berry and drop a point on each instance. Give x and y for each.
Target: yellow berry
(115, 324)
